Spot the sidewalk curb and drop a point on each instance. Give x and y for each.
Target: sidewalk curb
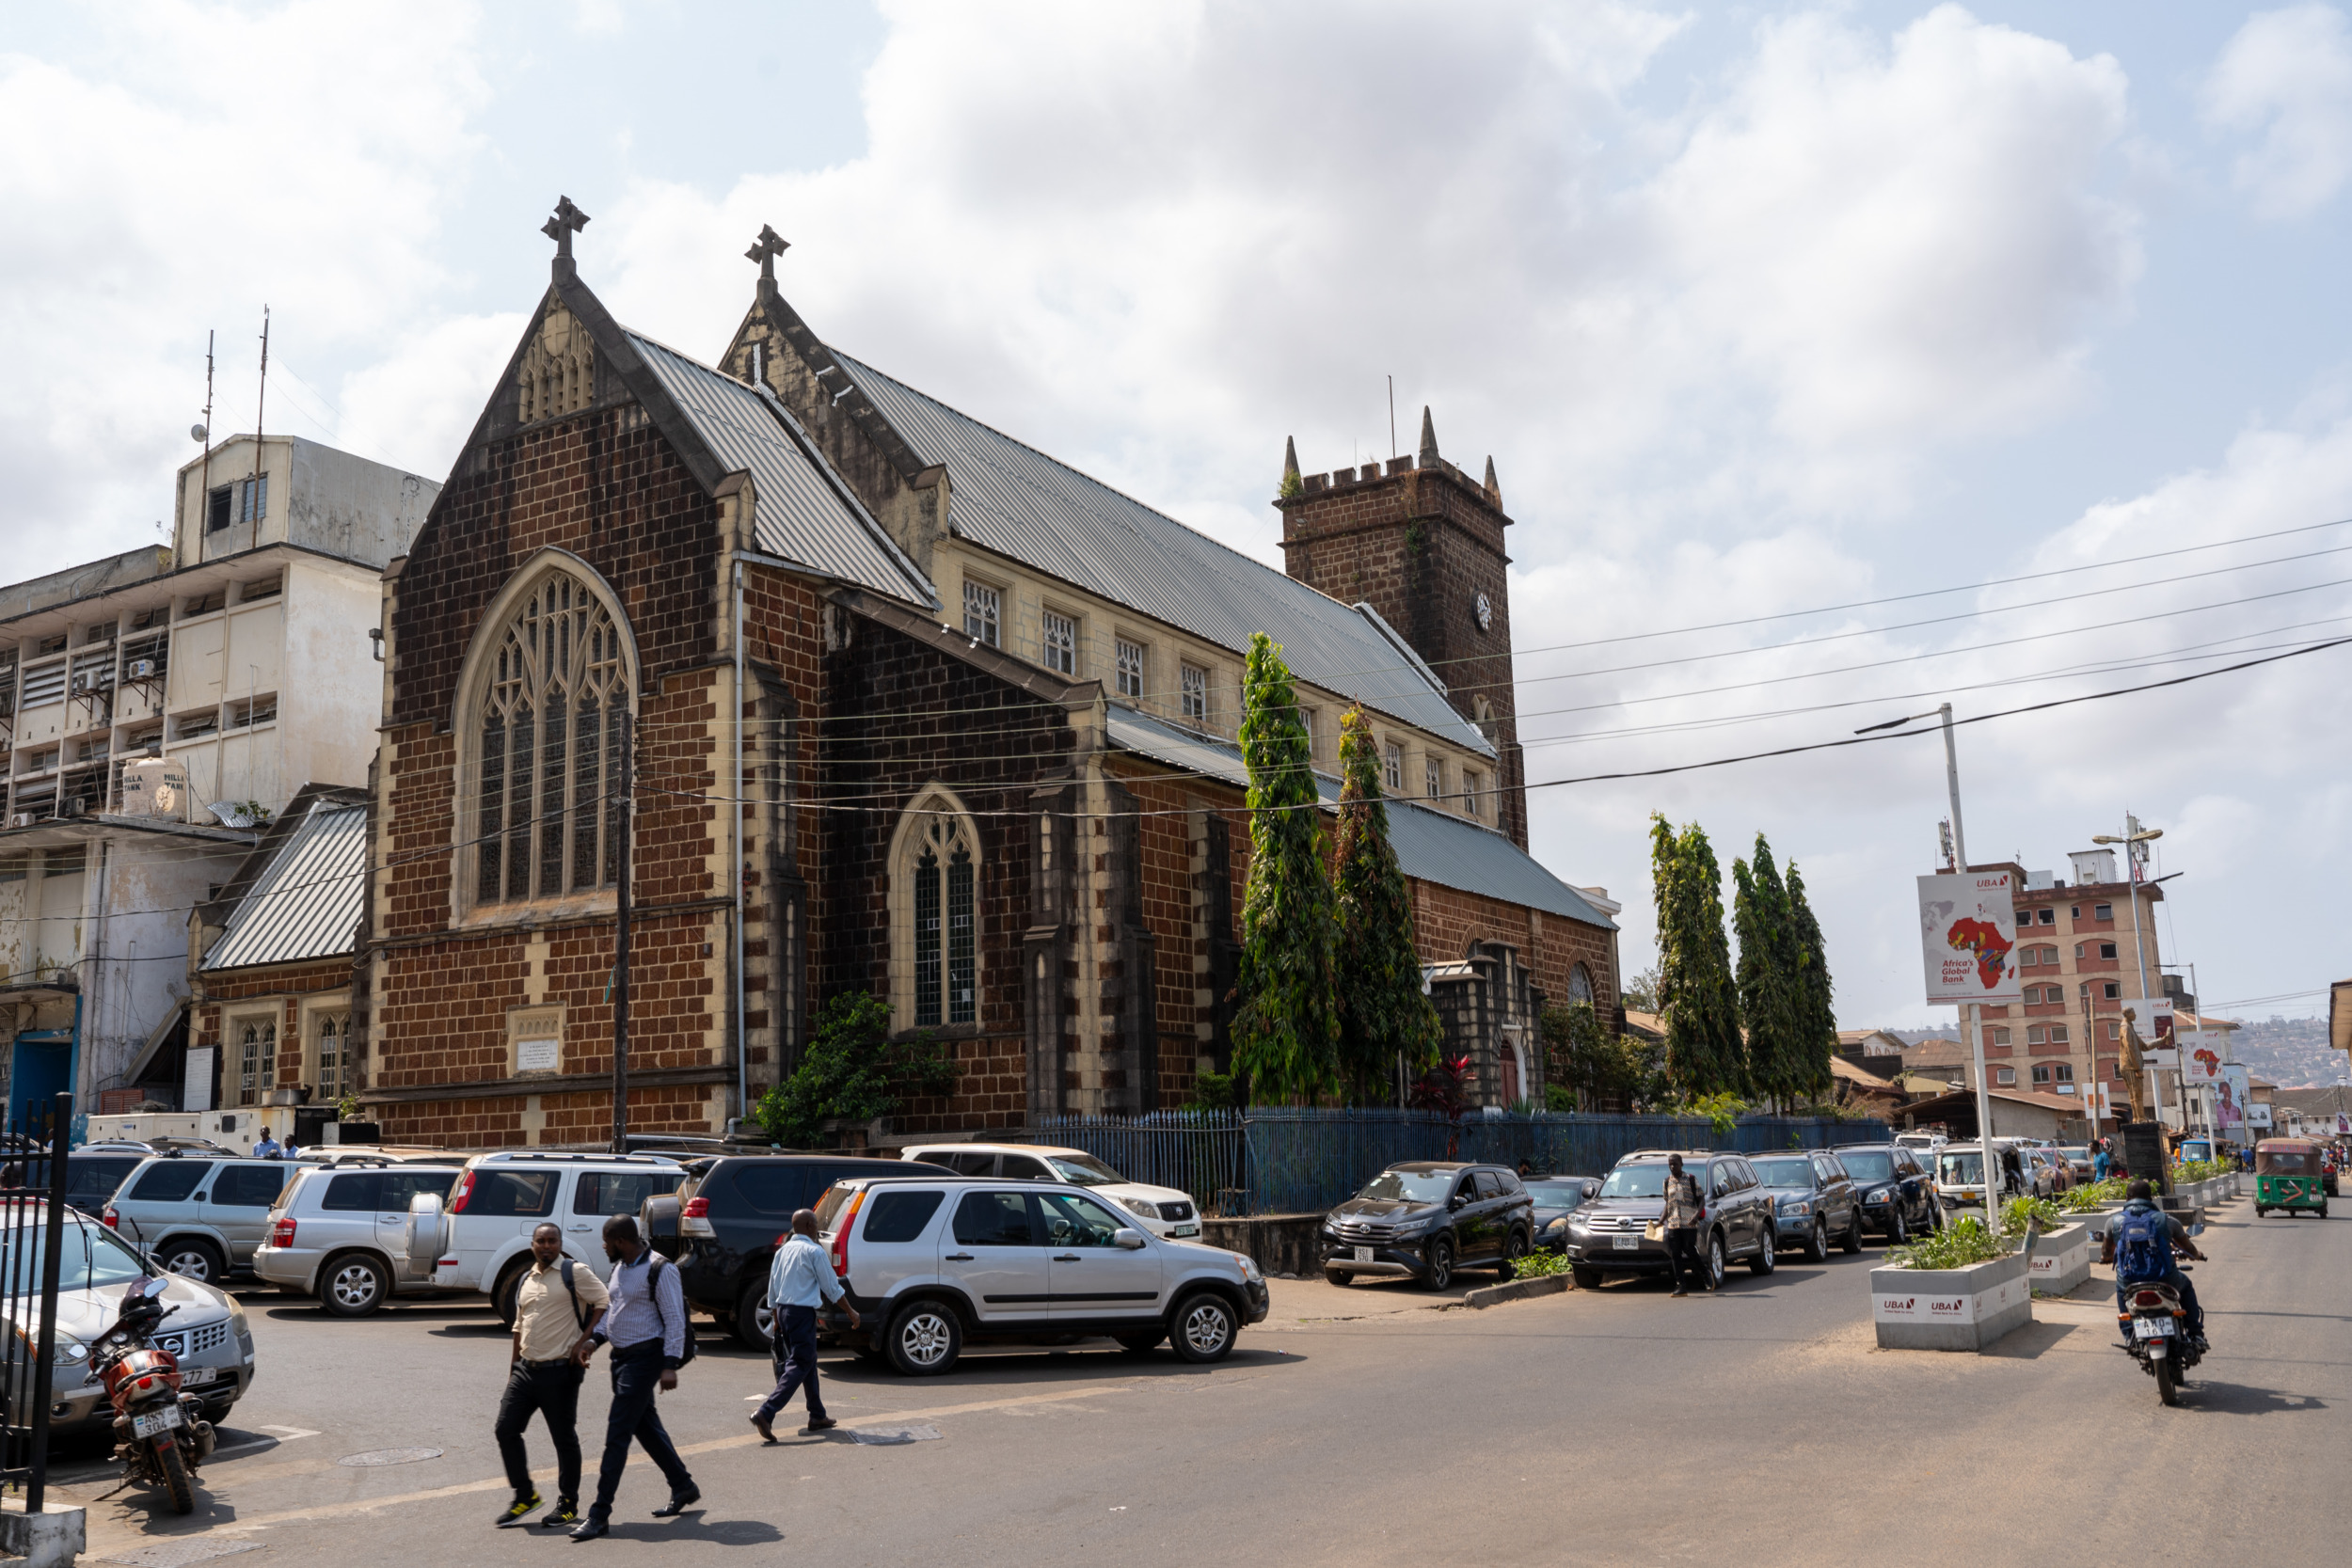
(1518, 1290)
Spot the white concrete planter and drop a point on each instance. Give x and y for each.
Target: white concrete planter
(2061, 1262)
(1950, 1308)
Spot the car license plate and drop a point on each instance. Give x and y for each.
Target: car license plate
(1627, 1242)
(1363, 1255)
(160, 1420)
(196, 1377)
(2153, 1328)
(1185, 1230)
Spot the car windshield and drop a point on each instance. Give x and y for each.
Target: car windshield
(1635, 1182)
(1784, 1173)
(88, 1255)
(1961, 1169)
(1083, 1169)
(1406, 1186)
(1556, 1194)
(1869, 1167)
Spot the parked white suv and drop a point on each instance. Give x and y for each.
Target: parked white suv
(356, 1235)
(502, 1198)
(1162, 1210)
(931, 1264)
(199, 1218)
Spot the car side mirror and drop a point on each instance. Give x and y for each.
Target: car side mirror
(1130, 1239)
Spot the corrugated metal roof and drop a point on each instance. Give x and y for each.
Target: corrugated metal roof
(1013, 498)
(1434, 845)
(308, 904)
(803, 512)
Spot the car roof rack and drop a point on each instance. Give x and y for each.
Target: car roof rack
(520, 1156)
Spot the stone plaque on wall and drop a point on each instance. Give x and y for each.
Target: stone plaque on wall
(535, 1038)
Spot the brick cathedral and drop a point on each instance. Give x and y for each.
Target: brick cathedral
(916, 710)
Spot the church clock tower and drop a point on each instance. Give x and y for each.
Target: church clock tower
(1422, 543)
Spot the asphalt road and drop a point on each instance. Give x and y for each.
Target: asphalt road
(1758, 1427)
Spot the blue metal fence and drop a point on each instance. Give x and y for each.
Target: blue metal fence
(1277, 1160)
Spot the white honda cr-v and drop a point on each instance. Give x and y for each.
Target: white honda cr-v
(1162, 1210)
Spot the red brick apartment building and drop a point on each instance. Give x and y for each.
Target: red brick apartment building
(951, 722)
(2078, 964)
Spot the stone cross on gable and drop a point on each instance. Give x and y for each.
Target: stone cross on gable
(765, 250)
(568, 220)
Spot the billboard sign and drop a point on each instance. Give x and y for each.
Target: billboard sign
(2231, 1097)
(2202, 1050)
(2151, 1016)
(1968, 936)
(2258, 1115)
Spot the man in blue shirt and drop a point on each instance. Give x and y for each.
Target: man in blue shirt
(2099, 1161)
(797, 1280)
(645, 1324)
(265, 1148)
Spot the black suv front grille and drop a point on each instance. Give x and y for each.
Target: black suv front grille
(1175, 1211)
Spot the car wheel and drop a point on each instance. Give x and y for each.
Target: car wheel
(1204, 1327)
(1817, 1244)
(1338, 1277)
(193, 1257)
(1140, 1344)
(924, 1338)
(1853, 1233)
(1898, 1229)
(754, 1320)
(1514, 1248)
(354, 1285)
(1714, 1259)
(1440, 1273)
(1767, 1257)
(1586, 1279)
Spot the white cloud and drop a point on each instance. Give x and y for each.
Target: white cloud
(205, 162)
(2288, 76)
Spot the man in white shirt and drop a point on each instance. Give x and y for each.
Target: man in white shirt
(647, 1327)
(801, 1276)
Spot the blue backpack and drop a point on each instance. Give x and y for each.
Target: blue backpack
(2144, 1243)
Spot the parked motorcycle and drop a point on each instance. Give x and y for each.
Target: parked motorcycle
(161, 1434)
(2156, 1331)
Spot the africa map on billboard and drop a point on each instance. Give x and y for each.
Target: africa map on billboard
(1968, 936)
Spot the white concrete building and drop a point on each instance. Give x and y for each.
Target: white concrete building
(156, 707)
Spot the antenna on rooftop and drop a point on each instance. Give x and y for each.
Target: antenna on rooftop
(204, 433)
(253, 494)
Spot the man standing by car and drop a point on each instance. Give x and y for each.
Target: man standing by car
(647, 1328)
(1681, 1219)
(801, 1275)
(556, 1308)
(265, 1146)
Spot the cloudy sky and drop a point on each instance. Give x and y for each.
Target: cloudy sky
(1763, 314)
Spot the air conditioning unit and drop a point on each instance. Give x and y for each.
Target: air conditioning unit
(84, 682)
(23, 818)
(142, 669)
(73, 807)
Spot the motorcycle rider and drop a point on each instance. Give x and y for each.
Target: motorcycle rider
(2148, 1239)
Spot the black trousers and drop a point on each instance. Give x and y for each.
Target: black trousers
(551, 1389)
(796, 1362)
(1682, 1249)
(636, 1380)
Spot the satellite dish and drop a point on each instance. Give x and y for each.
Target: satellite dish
(198, 432)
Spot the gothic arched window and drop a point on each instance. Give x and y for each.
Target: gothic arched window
(934, 888)
(554, 686)
(1580, 985)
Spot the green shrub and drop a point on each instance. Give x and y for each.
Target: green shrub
(1956, 1246)
(2018, 1211)
(1538, 1265)
(853, 1071)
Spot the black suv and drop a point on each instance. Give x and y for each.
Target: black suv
(1607, 1235)
(1424, 1218)
(725, 1222)
(1813, 1201)
(1898, 1198)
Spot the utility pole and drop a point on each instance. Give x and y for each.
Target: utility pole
(1986, 1158)
(2133, 837)
(624, 788)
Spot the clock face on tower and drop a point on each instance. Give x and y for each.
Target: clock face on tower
(1485, 614)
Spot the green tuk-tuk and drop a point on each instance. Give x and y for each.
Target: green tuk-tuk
(2287, 1177)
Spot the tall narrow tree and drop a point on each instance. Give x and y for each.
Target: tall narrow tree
(1286, 1026)
(1817, 1010)
(1385, 1019)
(1698, 1000)
(1770, 980)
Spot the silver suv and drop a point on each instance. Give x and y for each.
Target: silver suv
(199, 1218)
(931, 1264)
(355, 1236)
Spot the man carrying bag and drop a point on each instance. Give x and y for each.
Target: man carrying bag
(1680, 1221)
(556, 1308)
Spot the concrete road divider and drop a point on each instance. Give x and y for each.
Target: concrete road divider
(1950, 1308)
(1518, 1290)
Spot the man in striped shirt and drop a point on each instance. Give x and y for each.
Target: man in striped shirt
(647, 1328)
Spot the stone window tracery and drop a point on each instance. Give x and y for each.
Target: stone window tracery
(546, 813)
(935, 893)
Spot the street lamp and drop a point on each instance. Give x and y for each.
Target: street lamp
(2132, 837)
